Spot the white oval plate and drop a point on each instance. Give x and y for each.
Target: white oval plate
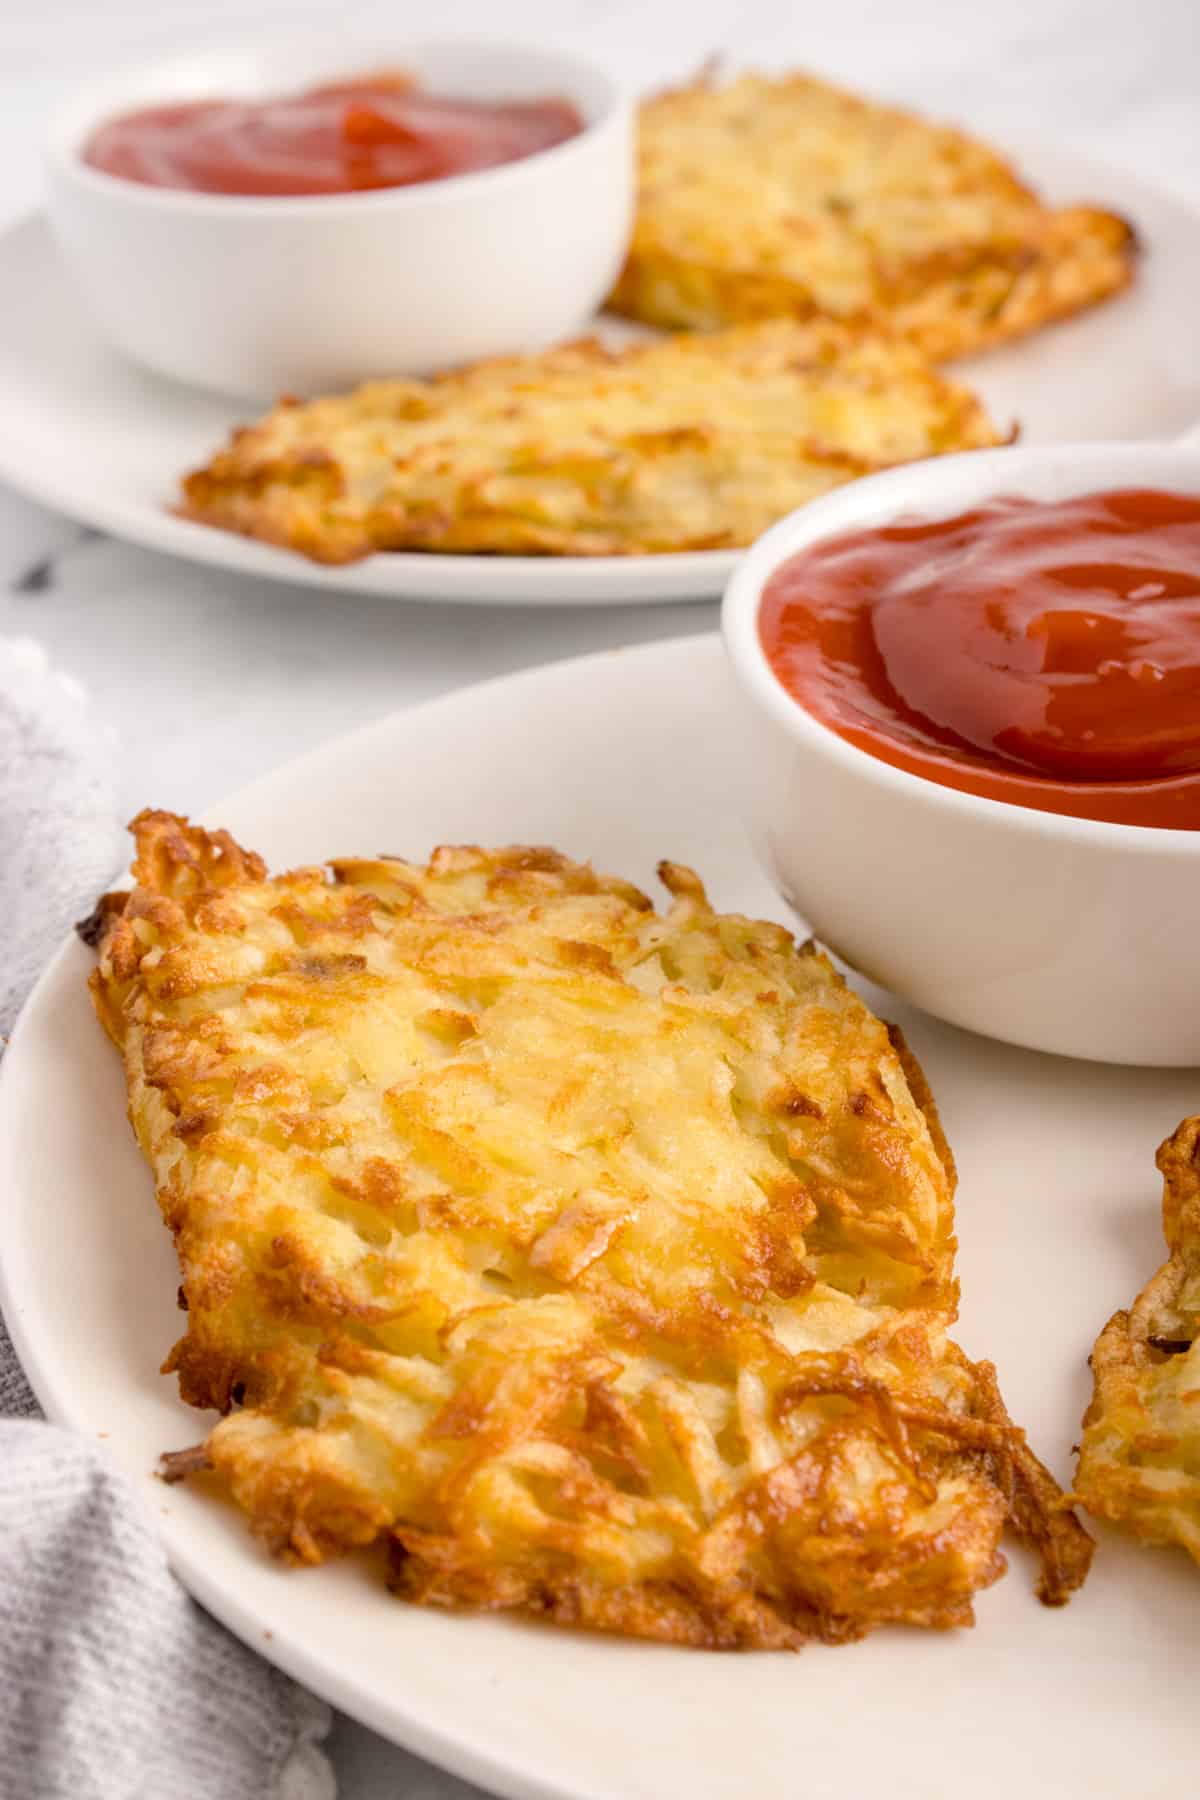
(627, 757)
(85, 431)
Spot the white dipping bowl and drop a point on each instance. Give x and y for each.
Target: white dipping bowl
(256, 296)
(1060, 934)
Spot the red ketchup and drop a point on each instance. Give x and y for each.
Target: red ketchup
(344, 138)
(1043, 653)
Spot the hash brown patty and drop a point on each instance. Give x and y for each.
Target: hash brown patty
(685, 443)
(763, 197)
(598, 1261)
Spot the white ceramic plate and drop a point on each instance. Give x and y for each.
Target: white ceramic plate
(626, 757)
(85, 431)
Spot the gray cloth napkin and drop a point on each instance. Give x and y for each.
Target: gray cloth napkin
(114, 1685)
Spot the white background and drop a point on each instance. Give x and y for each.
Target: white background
(207, 679)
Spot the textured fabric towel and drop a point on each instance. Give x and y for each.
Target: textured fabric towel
(114, 1685)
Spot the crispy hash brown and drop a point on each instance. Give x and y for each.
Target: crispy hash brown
(684, 444)
(760, 198)
(599, 1261)
(1139, 1462)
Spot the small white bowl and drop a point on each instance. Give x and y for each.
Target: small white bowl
(256, 296)
(1057, 933)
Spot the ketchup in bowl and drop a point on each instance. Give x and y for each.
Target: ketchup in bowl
(1042, 653)
(343, 138)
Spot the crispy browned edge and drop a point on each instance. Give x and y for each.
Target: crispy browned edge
(1035, 296)
(1040, 1512)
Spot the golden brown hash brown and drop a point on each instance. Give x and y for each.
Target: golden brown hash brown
(600, 1261)
(1139, 1462)
(763, 197)
(688, 443)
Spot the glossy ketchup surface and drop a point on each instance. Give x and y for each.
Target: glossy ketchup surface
(344, 138)
(1042, 653)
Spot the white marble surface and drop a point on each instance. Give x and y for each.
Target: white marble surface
(207, 679)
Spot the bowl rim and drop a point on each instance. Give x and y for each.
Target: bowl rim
(915, 490)
(100, 99)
